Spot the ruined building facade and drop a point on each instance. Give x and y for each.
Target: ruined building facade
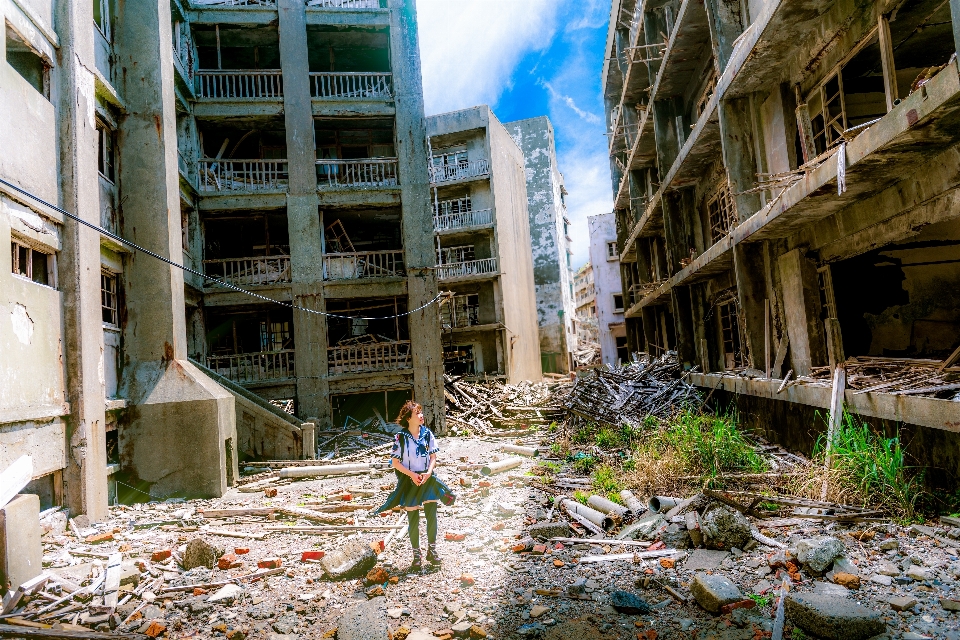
(550, 242)
(277, 145)
(775, 166)
(605, 258)
(482, 236)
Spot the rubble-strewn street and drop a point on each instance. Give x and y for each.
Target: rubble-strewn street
(249, 565)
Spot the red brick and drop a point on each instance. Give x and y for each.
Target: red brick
(160, 556)
(270, 493)
(743, 604)
(155, 629)
(311, 555)
(454, 536)
(467, 579)
(499, 526)
(656, 546)
(241, 550)
(98, 538)
(270, 563)
(539, 549)
(227, 561)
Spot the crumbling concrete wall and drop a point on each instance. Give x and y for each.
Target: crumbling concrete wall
(552, 273)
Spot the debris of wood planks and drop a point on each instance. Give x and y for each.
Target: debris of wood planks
(495, 409)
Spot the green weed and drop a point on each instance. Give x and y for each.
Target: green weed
(584, 464)
(761, 601)
(581, 496)
(711, 444)
(606, 483)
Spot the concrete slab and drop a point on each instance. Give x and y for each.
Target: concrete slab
(20, 550)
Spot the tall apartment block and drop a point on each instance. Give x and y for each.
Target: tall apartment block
(550, 242)
(585, 297)
(482, 236)
(785, 185)
(278, 146)
(608, 290)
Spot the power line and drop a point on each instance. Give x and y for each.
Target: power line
(205, 277)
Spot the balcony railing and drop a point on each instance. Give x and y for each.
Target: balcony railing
(469, 268)
(242, 175)
(234, 3)
(344, 4)
(463, 316)
(263, 366)
(462, 219)
(364, 172)
(244, 271)
(357, 86)
(362, 264)
(358, 358)
(450, 172)
(240, 85)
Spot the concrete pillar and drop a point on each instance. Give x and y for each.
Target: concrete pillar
(801, 308)
(173, 401)
(683, 326)
(701, 337)
(750, 272)
(665, 132)
(417, 224)
(651, 334)
(739, 153)
(653, 26)
(725, 22)
(679, 227)
(955, 17)
(85, 476)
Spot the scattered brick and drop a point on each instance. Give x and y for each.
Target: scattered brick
(228, 561)
(270, 563)
(160, 556)
(241, 550)
(311, 555)
(743, 604)
(467, 579)
(97, 538)
(668, 563)
(454, 536)
(155, 629)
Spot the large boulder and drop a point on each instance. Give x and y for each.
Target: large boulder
(712, 591)
(817, 554)
(352, 560)
(724, 528)
(833, 618)
(200, 553)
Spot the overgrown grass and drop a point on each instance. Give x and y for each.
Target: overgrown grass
(868, 469)
(710, 444)
(607, 483)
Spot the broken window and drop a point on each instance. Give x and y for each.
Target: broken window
(106, 152)
(101, 17)
(453, 255)
(237, 47)
(612, 253)
(275, 335)
(921, 36)
(32, 264)
(27, 62)
(730, 334)
(618, 303)
(454, 206)
(249, 332)
(707, 92)
(458, 359)
(450, 157)
(109, 298)
(721, 212)
(348, 49)
(373, 317)
(335, 143)
(460, 311)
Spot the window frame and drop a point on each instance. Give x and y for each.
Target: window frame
(617, 309)
(616, 254)
(49, 272)
(109, 276)
(106, 133)
(105, 15)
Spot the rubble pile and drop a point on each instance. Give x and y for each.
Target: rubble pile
(497, 409)
(587, 354)
(632, 392)
(898, 376)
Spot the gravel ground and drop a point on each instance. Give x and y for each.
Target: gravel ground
(512, 594)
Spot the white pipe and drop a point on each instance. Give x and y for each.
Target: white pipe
(636, 506)
(500, 467)
(608, 507)
(327, 470)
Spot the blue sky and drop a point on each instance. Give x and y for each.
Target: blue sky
(528, 58)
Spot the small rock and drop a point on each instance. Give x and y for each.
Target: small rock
(881, 579)
(352, 560)
(889, 545)
(919, 573)
(902, 603)
(626, 602)
(467, 579)
(817, 554)
(833, 618)
(888, 569)
(538, 610)
(847, 580)
(377, 575)
(227, 593)
(395, 613)
(950, 605)
(461, 629)
(199, 554)
(676, 537)
(477, 632)
(714, 591)
(286, 623)
(578, 588)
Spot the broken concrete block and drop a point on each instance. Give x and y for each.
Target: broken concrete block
(352, 560)
(724, 528)
(833, 618)
(199, 554)
(817, 554)
(365, 621)
(714, 591)
(20, 549)
(675, 537)
(547, 530)
(626, 602)
(227, 593)
(902, 603)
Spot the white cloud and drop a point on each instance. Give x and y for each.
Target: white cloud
(567, 100)
(469, 48)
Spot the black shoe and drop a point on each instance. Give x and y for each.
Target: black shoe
(432, 556)
(417, 564)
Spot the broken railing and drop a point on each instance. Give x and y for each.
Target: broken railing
(242, 175)
(468, 268)
(234, 3)
(345, 4)
(365, 172)
(366, 85)
(254, 367)
(459, 317)
(259, 270)
(363, 264)
(246, 85)
(462, 219)
(359, 358)
(450, 172)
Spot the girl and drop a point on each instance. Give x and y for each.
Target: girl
(414, 456)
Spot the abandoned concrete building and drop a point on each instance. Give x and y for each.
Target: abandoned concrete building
(584, 296)
(778, 169)
(278, 146)
(550, 242)
(608, 305)
(482, 235)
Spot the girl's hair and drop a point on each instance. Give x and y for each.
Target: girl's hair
(409, 409)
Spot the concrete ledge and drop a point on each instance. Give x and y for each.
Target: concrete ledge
(232, 15)
(214, 108)
(34, 413)
(334, 107)
(926, 412)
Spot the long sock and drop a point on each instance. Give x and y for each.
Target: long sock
(413, 525)
(430, 510)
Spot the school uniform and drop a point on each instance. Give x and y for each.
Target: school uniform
(414, 454)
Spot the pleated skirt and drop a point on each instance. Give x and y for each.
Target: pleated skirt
(407, 494)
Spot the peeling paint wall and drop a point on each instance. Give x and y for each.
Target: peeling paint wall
(606, 282)
(552, 274)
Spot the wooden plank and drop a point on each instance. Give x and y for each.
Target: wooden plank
(230, 513)
(48, 633)
(111, 583)
(14, 478)
(888, 69)
(950, 360)
(227, 533)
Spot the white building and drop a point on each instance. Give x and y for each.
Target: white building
(608, 291)
(584, 295)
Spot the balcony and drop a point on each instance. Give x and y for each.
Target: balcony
(459, 171)
(460, 317)
(462, 219)
(360, 358)
(363, 264)
(250, 271)
(370, 173)
(234, 3)
(344, 4)
(351, 86)
(468, 268)
(242, 175)
(264, 366)
(240, 85)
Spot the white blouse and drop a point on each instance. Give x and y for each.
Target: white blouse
(414, 453)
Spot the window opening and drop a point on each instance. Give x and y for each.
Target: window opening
(612, 253)
(31, 264)
(27, 62)
(730, 335)
(450, 158)
(721, 212)
(618, 302)
(458, 359)
(106, 152)
(707, 93)
(109, 298)
(101, 17)
(275, 336)
(454, 206)
(452, 255)
(461, 311)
